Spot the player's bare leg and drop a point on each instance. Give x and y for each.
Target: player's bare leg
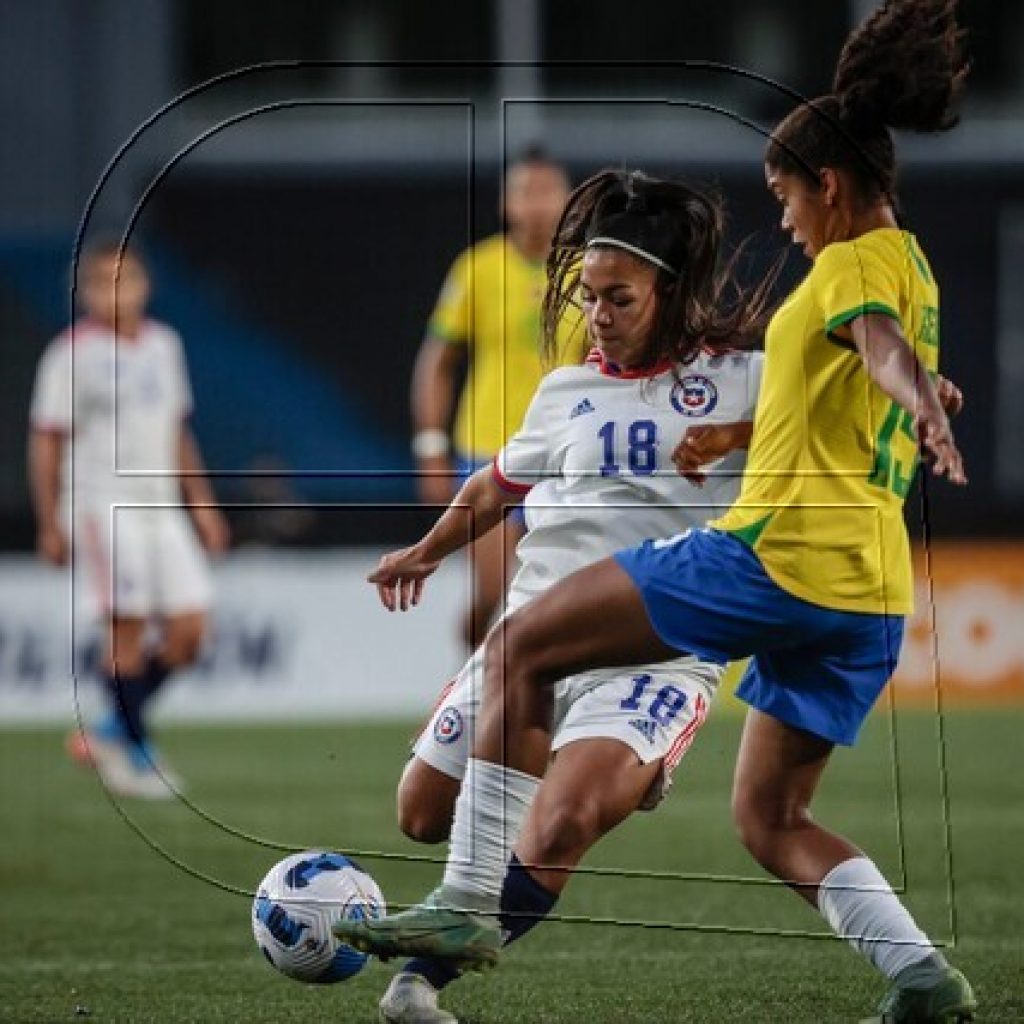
(114, 746)
(180, 645)
(593, 618)
(426, 801)
(183, 636)
(570, 814)
(777, 773)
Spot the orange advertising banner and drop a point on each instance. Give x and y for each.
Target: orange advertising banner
(967, 632)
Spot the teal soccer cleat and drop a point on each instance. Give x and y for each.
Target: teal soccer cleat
(467, 937)
(951, 1001)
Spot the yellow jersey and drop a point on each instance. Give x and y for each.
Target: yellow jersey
(832, 457)
(491, 303)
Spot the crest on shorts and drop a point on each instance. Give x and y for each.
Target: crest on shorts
(694, 395)
(448, 727)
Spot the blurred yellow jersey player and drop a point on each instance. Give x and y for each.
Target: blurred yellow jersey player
(852, 449)
(490, 304)
(488, 316)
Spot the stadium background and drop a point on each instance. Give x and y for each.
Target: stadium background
(299, 219)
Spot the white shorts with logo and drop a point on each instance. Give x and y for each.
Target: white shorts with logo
(655, 710)
(140, 562)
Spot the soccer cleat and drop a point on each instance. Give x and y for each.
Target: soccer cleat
(411, 999)
(469, 939)
(149, 762)
(115, 763)
(951, 1001)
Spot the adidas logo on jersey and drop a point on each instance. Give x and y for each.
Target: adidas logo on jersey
(646, 726)
(581, 408)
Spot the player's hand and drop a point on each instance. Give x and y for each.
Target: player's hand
(437, 481)
(212, 527)
(936, 439)
(705, 444)
(400, 577)
(52, 544)
(951, 397)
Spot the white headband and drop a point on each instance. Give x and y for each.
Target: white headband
(635, 250)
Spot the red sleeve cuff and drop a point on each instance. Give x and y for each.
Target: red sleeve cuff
(508, 485)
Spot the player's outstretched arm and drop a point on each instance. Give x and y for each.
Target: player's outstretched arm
(477, 508)
(45, 458)
(893, 366)
(209, 521)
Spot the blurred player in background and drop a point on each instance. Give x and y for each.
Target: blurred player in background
(109, 426)
(489, 314)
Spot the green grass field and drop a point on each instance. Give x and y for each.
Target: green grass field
(134, 916)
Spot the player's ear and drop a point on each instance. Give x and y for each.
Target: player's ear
(829, 185)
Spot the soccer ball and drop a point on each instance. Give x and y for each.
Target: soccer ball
(297, 903)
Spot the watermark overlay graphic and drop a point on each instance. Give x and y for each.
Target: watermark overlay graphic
(290, 628)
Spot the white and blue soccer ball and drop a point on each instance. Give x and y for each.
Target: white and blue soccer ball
(296, 905)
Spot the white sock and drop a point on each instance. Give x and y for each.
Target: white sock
(489, 815)
(861, 907)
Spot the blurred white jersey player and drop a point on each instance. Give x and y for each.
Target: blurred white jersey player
(113, 462)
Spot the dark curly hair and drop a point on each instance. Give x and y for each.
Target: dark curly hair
(903, 68)
(702, 304)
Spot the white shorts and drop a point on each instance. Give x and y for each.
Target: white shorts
(140, 562)
(655, 710)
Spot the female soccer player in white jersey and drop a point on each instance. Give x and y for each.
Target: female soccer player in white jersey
(593, 466)
(808, 572)
(110, 428)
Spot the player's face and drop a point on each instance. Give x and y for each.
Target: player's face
(113, 290)
(805, 212)
(617, 292)
(535, 195)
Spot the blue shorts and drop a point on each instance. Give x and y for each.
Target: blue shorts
(466, 466)
(814, 668)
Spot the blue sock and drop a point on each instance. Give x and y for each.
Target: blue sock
(127, 696)
(524, 903)
(154, 676)
(438, 972)
(111, 728)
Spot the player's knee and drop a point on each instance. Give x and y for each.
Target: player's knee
(567, 830)
(126, 664)
(750, 830)
(182, 647)
(762, 822)
(424, 811)
(422, 824)
(127, 659)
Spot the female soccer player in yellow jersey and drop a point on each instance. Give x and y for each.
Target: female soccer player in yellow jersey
(808, 573)
(488, 314)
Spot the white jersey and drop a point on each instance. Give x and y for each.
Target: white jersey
(594, 456)
(121, 403)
